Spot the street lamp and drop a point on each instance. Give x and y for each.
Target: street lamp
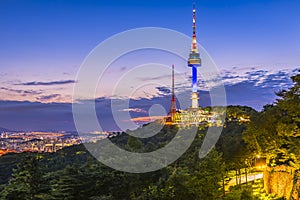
(257, 157)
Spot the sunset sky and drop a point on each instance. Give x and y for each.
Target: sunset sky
(255, 44)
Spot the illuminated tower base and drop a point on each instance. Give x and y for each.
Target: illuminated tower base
(195, 99)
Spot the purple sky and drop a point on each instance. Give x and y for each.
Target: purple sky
(255, 45)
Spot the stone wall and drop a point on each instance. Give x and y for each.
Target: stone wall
(279, 180)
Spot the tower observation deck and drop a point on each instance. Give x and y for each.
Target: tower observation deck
(194, 61)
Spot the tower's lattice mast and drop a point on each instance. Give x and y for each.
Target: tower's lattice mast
(173, 100)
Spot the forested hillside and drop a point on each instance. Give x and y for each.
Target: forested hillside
(73, 173)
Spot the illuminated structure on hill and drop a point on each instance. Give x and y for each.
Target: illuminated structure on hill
(194, 61)
(194, 115)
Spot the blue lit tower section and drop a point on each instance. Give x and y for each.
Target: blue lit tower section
(194, 61)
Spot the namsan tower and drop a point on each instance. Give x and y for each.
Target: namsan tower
(194, 62)
(195, 115)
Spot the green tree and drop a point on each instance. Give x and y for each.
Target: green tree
(134, 144)
(275, 132)
(246, 194)
(208, 177)
(26, 182)
(70, 184)
(202, 182)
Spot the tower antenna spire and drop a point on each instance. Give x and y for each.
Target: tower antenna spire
(194, 42)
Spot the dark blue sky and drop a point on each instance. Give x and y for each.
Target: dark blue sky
(235, 32)
(43, 43)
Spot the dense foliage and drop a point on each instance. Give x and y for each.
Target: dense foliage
(275, 132)
(73, 173)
